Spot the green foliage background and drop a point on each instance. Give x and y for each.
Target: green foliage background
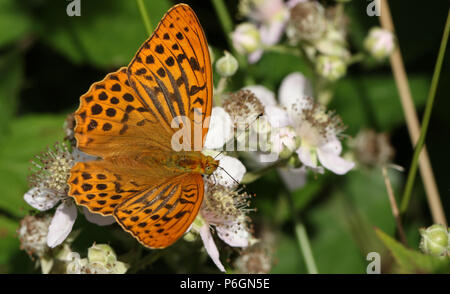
(47, 60)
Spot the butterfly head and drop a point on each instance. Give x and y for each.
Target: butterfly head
(210, 165)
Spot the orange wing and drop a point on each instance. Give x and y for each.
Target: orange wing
(110, 117)
(104, 184)
(160, 215)
(129, 113)
(172, 73)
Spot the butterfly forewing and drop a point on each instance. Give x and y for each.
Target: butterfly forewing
(110, 117)
(172, 71)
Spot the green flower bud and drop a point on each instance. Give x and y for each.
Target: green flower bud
(227, 65)
(331, 67)
(101, 253)
(435, 240)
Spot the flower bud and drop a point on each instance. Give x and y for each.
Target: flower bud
(101, 253)
(246, 38)
(331, 67)
(435, 240)
(227, 65)
(307, 22)
(380, 43)
(32, 234)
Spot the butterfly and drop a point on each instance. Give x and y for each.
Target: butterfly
(127, 119)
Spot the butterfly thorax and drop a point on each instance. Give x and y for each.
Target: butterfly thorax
(184, 161)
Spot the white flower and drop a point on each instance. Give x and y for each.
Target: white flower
(224, 209)
(380, 43)
(49, 181)
(317, 128)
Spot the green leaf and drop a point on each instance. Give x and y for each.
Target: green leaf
(342, 225)
(411, 261)
(14, 23)
(107, 34)
(273, 67)
(373, 100)
(9, 88)
(27, 137)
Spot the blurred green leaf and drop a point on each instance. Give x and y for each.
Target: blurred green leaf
(273, 67)
(14, 22)
(107, 34)
(27, 137)
(410, 261)
(12, 75)
(373, 100)
(342, 226)
(333, 246)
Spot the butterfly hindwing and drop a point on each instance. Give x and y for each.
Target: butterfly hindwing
(159, 215)
(172, 73)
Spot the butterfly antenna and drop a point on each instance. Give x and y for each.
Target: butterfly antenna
(229, 175)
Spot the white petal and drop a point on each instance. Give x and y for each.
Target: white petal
(41, 199)
(264, 95)
(334, 162)
(61, 224)
(304, 154)
(294, 89)
(98, 219)
(254, 57)
(277, 117)
(210, 246)
(333, 146)
(234, 234)
(293, 178)
(234, 168)
(80, 156)
(220, 129)
(272, 32)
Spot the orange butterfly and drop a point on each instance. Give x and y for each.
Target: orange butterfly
(153, 192)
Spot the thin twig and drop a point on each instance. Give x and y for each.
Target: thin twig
(426, 117)
(394, 207)
(412, 121)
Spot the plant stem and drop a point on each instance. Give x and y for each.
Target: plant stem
(412, 122)
(145, 17)
(426, 118)
(394, 206)
(303, 241)
(227, 27)
(284, 50)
